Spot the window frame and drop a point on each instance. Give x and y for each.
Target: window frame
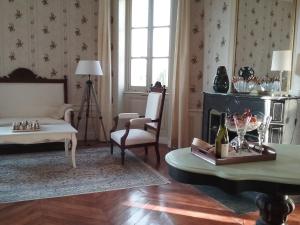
(150, 28)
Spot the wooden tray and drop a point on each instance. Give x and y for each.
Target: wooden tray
(207, 152)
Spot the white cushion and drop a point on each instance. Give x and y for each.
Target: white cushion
(135, 136)
(42, 120)
(123, 118)
(68, 114)
(139, 122)
(30, 99)
(153, 105)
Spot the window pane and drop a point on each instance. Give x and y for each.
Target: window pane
(161, 42)
(138, 72)
(161, 13)
(139, 13)
(160, 68)
(139, 38)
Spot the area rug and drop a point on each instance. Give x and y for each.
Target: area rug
(241, 203)
(32, 176)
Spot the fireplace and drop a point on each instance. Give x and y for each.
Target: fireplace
(282, 109)
(213, 124)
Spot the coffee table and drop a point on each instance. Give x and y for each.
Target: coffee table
(274, 179)
(48, 133)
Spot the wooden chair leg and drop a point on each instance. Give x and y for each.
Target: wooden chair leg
(123, 155)
(157, 153)
(146, 150)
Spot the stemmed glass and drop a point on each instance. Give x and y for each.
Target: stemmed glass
(262, 129)
(242, 124)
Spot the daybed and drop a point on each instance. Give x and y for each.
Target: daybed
(27, 96)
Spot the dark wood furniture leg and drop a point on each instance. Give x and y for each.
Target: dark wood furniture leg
(123, 155)
(274, 209)
(157, 153)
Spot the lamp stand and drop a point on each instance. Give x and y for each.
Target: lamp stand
(86, 99)
(280, 82)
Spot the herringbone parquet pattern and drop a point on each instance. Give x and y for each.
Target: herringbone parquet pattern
(170, 204)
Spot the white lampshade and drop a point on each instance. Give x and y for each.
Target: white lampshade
(89, 67)
(281, 60)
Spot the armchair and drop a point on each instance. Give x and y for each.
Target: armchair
(141, 131)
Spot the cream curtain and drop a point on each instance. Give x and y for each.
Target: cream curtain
(180, 79)
(104, 55)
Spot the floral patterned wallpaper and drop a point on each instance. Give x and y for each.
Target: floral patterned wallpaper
(263, 26)
(210, 45)
(196, 53)
(217, 39)
(49, 37)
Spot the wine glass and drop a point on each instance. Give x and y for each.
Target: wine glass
(238, 124)
(242, 123)
(262, 129)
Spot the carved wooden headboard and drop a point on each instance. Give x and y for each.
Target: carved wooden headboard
(24, 75)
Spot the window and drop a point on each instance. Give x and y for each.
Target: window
(149, 39)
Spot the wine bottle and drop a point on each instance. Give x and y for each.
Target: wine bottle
(222, 140)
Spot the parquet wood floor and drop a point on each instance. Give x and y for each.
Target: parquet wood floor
(171, 204)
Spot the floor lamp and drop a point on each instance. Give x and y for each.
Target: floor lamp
(89, 67)
(281, 61)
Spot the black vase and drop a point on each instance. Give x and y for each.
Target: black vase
(221, 82)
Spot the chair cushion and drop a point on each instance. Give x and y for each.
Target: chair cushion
(42, 120)
(135, 136)
(153, 105)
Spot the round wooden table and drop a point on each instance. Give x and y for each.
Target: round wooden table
(274, 179)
